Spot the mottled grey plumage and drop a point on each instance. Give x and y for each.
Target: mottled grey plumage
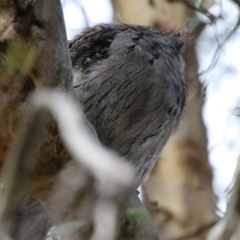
(129, 80)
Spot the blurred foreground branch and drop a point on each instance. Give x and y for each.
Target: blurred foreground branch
(34, 54)
(80, 144)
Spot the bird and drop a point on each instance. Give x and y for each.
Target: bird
(129, 80)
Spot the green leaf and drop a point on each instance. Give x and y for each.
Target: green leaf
(135, 214)
(66, 228)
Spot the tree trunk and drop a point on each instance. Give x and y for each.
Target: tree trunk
(34, 54)
(178, 193)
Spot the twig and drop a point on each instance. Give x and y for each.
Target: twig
(83, 147)
(105, 218)
(220, 45)
(200, 9)
(84, 13)
(229, 224)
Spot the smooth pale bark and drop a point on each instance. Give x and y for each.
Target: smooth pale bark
(178, 193)
(156, 13)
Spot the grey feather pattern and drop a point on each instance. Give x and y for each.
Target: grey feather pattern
(129, 80)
